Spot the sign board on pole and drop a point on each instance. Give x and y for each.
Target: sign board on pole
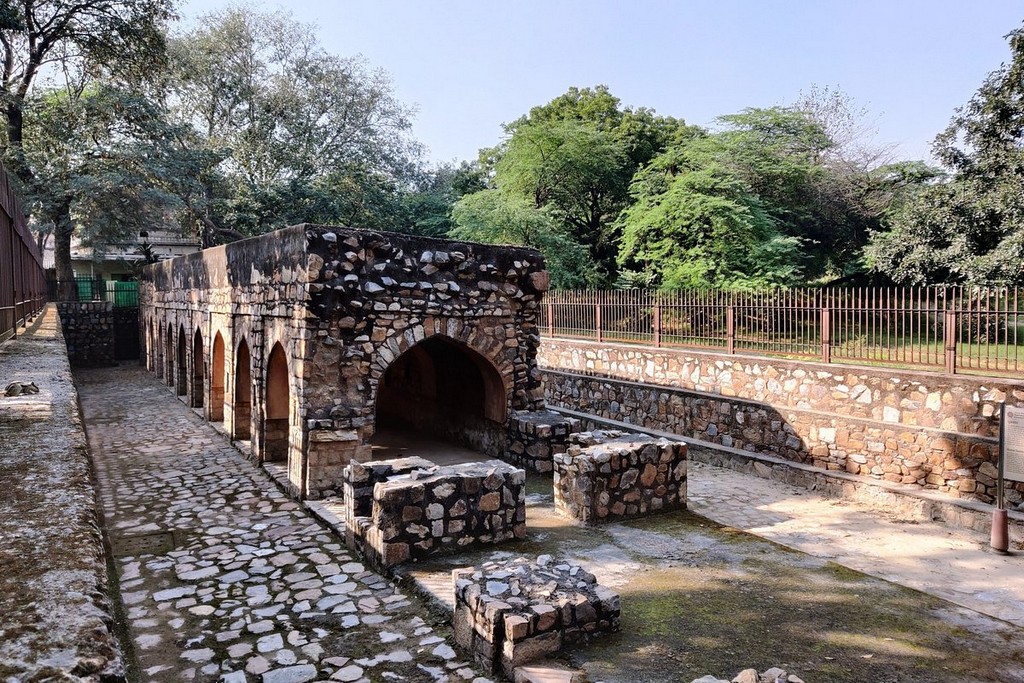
(1012, 460)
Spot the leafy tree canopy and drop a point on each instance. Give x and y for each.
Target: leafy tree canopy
(970, 227)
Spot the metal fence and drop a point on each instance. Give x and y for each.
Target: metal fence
(949, 328)
(22, 280)
(123, 294)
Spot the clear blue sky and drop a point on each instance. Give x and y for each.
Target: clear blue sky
(470, 65)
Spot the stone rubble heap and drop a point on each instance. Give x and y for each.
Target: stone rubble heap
(418, 512)
(611, 474)
(772, 675)
(512, 612)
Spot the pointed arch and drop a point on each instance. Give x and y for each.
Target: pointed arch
(198, 369)
(169, 355)
(446, 388)
(241, 421)
(181, 361)
(217, 377)
(278, 406)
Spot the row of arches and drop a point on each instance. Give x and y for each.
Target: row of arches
(205, 376)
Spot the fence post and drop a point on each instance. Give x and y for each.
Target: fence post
(826, 335)
(730, 329)
(950, 338)
(551, 319)
(657, 325)
(597, 320)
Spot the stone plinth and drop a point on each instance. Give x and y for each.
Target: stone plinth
(535, 436)
(511, 613)
(606, 475)
(418, 512)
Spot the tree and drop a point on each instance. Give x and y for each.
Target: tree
(69, 43)
(695, 223)
(495, 217)
(575, 156)
(970, 228)
(304, 134)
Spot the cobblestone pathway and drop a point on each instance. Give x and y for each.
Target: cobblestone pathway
(223, 576)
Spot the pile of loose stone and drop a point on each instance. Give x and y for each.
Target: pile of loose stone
(510, 613)
(772, 675)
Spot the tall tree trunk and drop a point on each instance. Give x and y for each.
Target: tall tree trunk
(63, 230)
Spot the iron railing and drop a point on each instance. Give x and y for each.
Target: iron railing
(22, 280)
(949, 328)
(123, 294)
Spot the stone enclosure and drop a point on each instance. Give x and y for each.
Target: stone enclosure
(306, 341)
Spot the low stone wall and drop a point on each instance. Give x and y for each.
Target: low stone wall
(88, 332)
(56, 619)
(607, 475)
(535, 436)
(361, 478)
(925, 429)
(510, 613)
(422, 512)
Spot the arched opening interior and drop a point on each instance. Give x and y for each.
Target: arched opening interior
(181, 384)
(169, 355)
(217, 379)
(198, 370)
(278, 406)
(158, 350)
(445, 390)
(242, 404)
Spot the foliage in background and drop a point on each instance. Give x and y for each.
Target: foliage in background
(969, 228)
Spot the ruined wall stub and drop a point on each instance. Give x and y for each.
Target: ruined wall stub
(344, 305)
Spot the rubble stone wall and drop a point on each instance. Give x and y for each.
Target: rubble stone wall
(345, 305)
(417, 513)
(88, 332)
(932, 430)
(607, 475)
(510, 613)
(535, 437)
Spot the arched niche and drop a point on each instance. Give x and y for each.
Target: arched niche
(446, 389)
(169, 355)
(242, 399)
(217, 377)
(278, 405)
(181, 381)
(198, 369)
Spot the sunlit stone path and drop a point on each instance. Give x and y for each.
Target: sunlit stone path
(223, 577)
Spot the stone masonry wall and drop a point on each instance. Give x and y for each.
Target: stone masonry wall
(535, 436)
(420, 513)
(344, 305)
(89, 332)
(928, 429)
(607, 475)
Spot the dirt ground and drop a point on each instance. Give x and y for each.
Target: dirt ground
(699, 598)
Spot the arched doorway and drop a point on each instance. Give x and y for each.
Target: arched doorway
(242, 404)
(158, 351)
(169, 356)
(181, 383)
(278, 406)
(198, 370)
(217, 379)
(445, 389)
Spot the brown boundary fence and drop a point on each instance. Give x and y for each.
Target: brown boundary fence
(22, 280)
(945, 328)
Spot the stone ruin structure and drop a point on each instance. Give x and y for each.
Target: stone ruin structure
(513, 612)
(305, 341)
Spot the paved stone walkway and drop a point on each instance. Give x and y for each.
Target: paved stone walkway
(949, 563)
(224, 578)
